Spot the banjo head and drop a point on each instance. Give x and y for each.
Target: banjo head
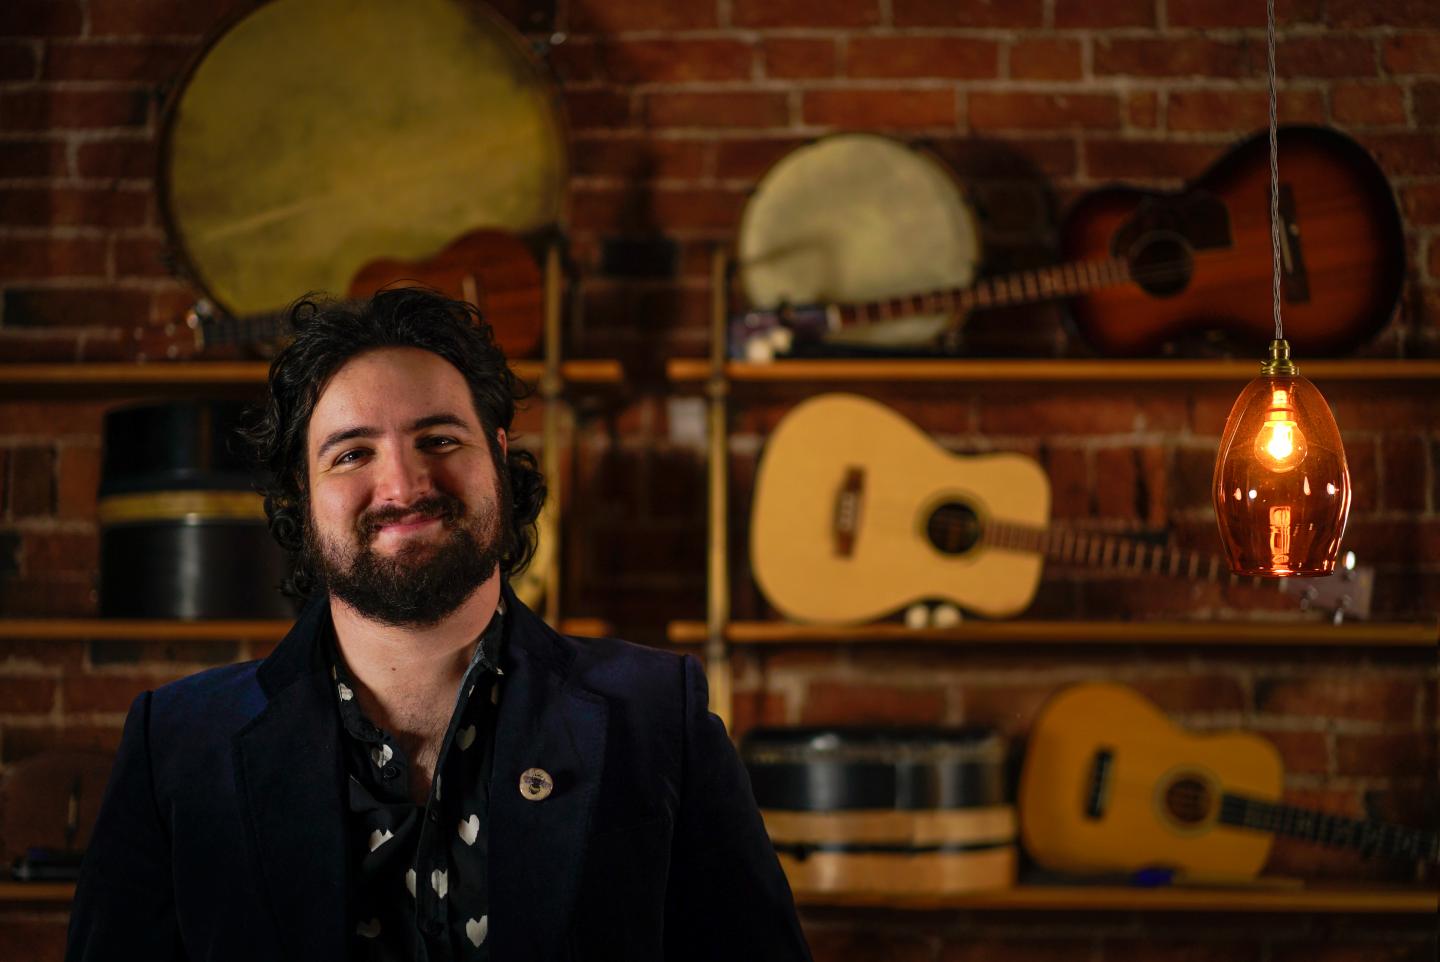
(314, 136)
(853, 218)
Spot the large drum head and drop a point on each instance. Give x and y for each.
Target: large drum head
(854, 218)
(317, 135)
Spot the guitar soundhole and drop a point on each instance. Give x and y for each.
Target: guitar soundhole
(1187, 801)
(1161, 264)
(953, 528)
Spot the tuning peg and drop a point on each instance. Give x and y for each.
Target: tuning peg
(945, 616)
(917, 616)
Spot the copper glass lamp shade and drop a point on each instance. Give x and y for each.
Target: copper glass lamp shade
(1281, 487)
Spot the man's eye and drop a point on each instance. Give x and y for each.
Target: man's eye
(438, 442)
(350, 456)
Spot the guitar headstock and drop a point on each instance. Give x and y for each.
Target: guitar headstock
(173, 340)
(1347, 592)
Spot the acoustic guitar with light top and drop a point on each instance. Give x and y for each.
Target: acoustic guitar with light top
(1110, 784)
(858, 513)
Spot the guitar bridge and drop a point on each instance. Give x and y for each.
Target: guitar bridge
(845, 520)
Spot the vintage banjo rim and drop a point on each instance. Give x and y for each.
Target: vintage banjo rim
(487, 20)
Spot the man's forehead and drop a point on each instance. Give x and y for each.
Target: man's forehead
(392, 384)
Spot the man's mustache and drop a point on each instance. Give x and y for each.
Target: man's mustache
(444, 507)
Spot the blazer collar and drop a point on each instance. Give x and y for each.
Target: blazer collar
(291, 780)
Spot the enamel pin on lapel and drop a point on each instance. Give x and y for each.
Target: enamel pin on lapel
(536, 784)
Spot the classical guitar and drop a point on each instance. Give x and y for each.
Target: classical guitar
(1145, 270)
(494, 270)
(1110, 784)
(857, 513)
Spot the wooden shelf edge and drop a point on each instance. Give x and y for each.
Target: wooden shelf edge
(1384, 635)
(15, 378)
(1026, 898)
(1118, 898)
(1043, 370)
(127, 629)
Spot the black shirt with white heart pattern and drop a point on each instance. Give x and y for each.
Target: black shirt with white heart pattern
(418, 885)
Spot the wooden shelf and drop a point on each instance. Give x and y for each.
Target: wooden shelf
(29, 380)
(127, 629)
(1223, 633)
(1043, 370)
(1375, 901)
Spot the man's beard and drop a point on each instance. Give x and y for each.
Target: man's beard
(420, 584)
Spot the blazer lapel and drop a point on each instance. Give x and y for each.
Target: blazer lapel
(537, 847)
(291, 784)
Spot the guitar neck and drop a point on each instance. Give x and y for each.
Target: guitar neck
(1370, 838)
(217, 329)
(1122, 555)
(1023, 287)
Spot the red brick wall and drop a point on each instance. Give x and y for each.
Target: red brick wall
(676, 109)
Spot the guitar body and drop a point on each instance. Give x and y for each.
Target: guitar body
(1151, 809)
(494, 270)
(841, 454)
(1202, 257)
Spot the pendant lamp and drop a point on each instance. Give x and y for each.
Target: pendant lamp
(1281, 486)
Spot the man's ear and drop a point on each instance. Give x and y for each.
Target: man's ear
(504, 440)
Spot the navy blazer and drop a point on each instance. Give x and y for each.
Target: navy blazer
(221, 835)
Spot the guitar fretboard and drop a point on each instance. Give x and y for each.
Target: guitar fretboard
(1125, 555)
(224, 329)
(1370, 838)
(1023, 287)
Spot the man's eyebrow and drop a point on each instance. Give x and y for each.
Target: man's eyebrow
(419, 424)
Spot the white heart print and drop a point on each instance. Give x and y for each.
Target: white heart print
(379, 838)
(476, 931)
(345, 693)
(465, 737)
(371, 929)
(410, 880)
(440, 882)
(470, 829)
(380, 754)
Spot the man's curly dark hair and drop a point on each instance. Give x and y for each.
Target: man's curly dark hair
(328, 333)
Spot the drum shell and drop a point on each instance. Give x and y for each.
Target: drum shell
(894, 812)
(183, 532)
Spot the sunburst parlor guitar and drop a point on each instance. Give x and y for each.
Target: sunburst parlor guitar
(1146, 270)
(857, 513)
(1110, 784)
(494, 270)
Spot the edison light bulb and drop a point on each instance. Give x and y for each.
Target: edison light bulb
(1279, 444)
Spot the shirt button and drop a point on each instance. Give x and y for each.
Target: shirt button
(434, 815)
(389, 771)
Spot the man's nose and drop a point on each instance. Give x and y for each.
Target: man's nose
(403, 477)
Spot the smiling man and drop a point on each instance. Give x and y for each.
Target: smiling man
(423, 769)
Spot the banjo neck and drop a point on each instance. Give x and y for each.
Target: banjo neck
(1022, 287)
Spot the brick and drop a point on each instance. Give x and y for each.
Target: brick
(922, 56)
(161, 18)
(1088, 14)
(78, 481)
(32, 938)
(1240, 13)
(1392, 13)
(973, 160)
(751, 709)
(1301, 753)
(1185, 57)
(882, 109)
(675, 61)
(1061, 414)
(142, 257)
(32, 695)
(47, 257)
(32, 482)
(107, 693)
(19, 60)
(1038, 111)
(1015, 949)
(575, 61)
(1116, 483)
(597, 109)
(131, 159)
(50, 553)
(46, 653)
(19, 742)
(1393, 755)
(32, 158)
(1404, 461)
(49, 346)
(1353, 697)
(798, 58)
(1325, 56)
(1142, 109)
(1239, 110)
(1009, 708)
(1363, 460)
(44, 108)
(110, 652)
(1410, 53)
(1046, 58)
(1069, 472)
(804, 13)
(67, 206)
(1425, 99)
(1402, 154)
(639, 159)
(750, 158)
(729, 109)
(40, 18)
(1192, 694)
(1146, 159)
(833, 702)
(984, 13)
(614, 16)
(76, 307)
(1368, 105)
(149, 61)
